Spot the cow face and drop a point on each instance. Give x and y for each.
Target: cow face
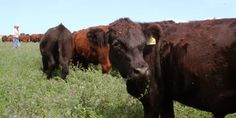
(127, 40)
(97, 38)
(126, 52)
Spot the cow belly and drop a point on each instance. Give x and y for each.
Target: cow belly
(211, 100)
(225, 101)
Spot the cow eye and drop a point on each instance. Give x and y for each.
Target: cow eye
(141, 47)
(118, 47)
(116, 43)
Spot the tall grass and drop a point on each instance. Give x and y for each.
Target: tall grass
(26, 93)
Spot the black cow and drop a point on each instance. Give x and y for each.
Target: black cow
(56, 48)
(193, 63)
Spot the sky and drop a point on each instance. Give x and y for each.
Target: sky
(38, 16)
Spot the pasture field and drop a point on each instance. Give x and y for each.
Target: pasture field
(25, 91)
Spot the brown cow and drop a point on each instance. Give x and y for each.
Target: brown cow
(35, 37)
(4, 38)
(24, 37)
(7, 38)
(91, 48)
(56, 48)
(193, 63)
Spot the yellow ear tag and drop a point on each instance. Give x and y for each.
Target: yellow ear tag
(151, 41)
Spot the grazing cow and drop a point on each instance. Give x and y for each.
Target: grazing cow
(91, 48)
(6, 38)
(193, 63)
(56, 48)
(24, 37)
(35, 37)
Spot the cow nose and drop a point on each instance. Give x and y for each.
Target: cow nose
(144, 71)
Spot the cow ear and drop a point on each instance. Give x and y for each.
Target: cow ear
(152, 32)
(110, 34)
(97, 37)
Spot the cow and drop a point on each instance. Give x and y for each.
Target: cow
(4, 38)
(24, 37)
(192, 63)
(91, 48)
(35, 37)
(7, 38)
(56, 49)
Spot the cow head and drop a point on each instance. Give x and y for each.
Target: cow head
(97, 38)
(127, 40)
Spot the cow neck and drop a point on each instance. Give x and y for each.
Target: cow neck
(158, 60)
(147, 89)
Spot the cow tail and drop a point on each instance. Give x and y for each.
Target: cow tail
(62, 56)
(61, 29)
(60, 43)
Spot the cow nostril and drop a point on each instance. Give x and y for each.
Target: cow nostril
(142, 71)
(137, 70)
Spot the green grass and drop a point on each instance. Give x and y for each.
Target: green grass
(26, 93)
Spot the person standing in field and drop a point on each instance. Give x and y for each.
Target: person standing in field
(16, 35)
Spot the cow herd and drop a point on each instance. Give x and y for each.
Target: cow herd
(193, 63)
(23, 37)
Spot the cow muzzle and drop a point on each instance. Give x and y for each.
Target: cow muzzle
(140, 72)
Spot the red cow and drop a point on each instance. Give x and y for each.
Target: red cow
(6, 38)
(91, 48)
(36, 37)
(24, 37)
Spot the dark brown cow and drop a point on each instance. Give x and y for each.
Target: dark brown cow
(35, 37)
(91, 48)
(56, 48)
(193, 63)
(24, 37)
(6, 38)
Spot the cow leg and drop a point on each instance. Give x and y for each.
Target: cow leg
(150, 106)
(64, 62)
(75, 64)
(85, 65)
(218, 115)
(75, 61)
(56, 59)
(45, 63)
(149, 112)
(51, 66)
(167, 109)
